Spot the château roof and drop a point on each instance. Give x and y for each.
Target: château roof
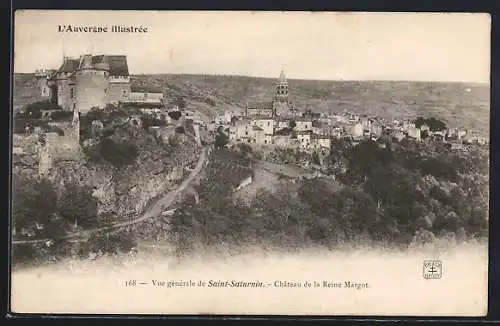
(69, 65)
(117, 64)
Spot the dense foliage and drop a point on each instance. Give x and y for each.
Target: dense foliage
(393, 194)
(433, 123)
(39, 212)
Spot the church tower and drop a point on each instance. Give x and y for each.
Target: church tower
(281, 90)
(282, 106)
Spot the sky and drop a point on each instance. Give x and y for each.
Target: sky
(306, 45)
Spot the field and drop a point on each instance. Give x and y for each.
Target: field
(458, 104)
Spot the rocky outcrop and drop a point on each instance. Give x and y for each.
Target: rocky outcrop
(125, 191)
(119, 192)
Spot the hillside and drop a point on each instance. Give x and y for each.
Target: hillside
(458, 104)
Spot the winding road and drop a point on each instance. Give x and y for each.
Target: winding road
(155, 210)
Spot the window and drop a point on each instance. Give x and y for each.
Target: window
(72, 93)
(105, 91)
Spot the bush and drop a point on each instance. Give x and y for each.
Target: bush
(62, 115)
(175, 115)
(118, 154)
(433, 123)
(149, 121)
(221, 139)
(33, 110)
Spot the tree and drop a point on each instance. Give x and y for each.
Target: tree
(77, 205)
(221, 139)
(315, 158)
(292, 124)
(34, 202)
(176, 115)
(118, 154)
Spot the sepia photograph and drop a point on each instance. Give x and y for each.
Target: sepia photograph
(250, 163)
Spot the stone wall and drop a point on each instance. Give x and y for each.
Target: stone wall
(118, 92)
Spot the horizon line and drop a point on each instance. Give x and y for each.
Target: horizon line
(299, 79)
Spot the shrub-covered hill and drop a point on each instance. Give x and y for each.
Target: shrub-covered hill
(396, 195)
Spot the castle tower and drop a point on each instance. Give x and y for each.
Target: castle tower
(91, 81)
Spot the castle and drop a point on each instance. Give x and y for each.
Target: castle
(280, 106)
(89, 81)
(94, 81)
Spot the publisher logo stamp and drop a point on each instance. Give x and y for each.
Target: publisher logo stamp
(433, 269)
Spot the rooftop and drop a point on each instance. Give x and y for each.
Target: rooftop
(316, 136)
(117, 64)
(260, 105)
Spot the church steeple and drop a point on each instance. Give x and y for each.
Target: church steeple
(282, 78)
(281, 91)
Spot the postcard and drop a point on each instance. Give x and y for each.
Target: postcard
(250, 163)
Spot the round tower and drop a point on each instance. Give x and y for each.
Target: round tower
(91, 84)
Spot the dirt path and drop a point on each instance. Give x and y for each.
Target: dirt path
(155, 210)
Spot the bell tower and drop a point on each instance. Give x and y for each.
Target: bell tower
(281, 105)
(281, 90)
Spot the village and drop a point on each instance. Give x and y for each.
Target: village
(99, 81)
(278, 123)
